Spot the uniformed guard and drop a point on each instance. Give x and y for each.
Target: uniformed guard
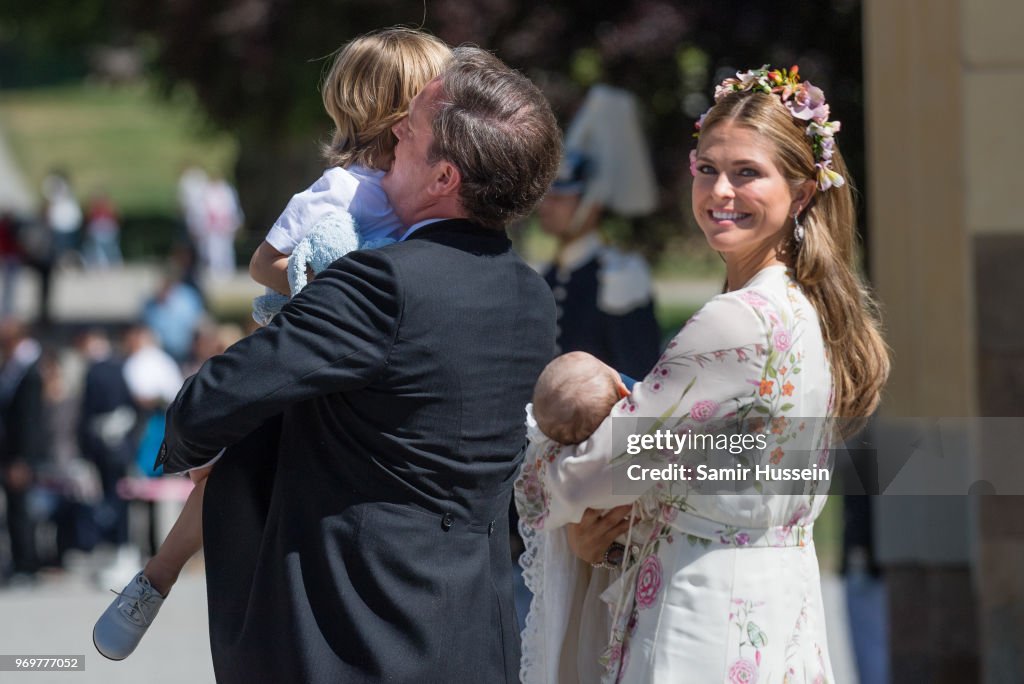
(603, 296)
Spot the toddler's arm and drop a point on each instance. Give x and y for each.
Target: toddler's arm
(269, 267)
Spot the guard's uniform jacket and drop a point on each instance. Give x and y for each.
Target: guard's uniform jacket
(604, 306)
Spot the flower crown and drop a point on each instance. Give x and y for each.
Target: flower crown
(803, 100)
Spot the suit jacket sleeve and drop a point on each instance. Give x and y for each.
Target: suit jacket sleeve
(334, 336)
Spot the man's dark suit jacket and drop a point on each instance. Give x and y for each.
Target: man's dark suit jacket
(379, 551)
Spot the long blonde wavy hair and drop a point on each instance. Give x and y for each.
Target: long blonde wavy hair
(368, 89)
(825, 263)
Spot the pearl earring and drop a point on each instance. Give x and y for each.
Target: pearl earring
(798, 229)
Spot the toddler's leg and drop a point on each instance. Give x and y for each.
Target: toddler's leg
(123, 624)
(183, 541)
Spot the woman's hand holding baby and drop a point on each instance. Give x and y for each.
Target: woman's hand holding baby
(591, 537)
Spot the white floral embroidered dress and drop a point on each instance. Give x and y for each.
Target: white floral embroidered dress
(724, 587)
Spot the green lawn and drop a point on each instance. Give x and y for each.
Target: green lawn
(126, 140)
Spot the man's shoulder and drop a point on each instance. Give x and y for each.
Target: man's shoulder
(459, 247)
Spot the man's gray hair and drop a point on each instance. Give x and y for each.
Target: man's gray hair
(497, 128)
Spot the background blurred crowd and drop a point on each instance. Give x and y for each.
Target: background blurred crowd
(81, 404)
(81, 423)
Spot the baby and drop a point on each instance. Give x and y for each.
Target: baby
(573, 395)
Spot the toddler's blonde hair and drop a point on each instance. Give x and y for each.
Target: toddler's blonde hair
(368, 89)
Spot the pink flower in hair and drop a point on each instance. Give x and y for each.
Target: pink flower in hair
(725, 87)
(808, 103)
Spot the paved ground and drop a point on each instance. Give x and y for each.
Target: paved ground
(55, 618)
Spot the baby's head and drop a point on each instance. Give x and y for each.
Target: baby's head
(368, 89)
(573, 395)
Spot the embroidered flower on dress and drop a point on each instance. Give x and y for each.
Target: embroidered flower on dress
(669, 513)
(782, 340)
(779, 425)
(648, 582)
(753, 299)
(704, 410)
(743, 672)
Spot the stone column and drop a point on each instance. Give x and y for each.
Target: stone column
(993, 66)
(922, 269)
(945, 106)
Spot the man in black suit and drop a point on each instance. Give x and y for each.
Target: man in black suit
(23, 441)
(400, 375)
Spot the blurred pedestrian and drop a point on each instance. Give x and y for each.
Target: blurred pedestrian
(210, 339)
(62, 214)
(69, 486)
(107, 425)
(173, 314)
(10, 261)
(102, 247)
(23, 441)
(220, 220)
(35, 238)
(191, 187)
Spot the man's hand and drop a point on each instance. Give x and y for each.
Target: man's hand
(595, 532)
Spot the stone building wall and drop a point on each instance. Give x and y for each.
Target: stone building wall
(945, 111)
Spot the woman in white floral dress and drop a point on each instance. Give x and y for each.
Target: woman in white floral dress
(718, 587)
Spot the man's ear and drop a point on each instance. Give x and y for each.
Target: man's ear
(447, 179)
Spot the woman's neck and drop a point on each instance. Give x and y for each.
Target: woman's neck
(739, 270)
